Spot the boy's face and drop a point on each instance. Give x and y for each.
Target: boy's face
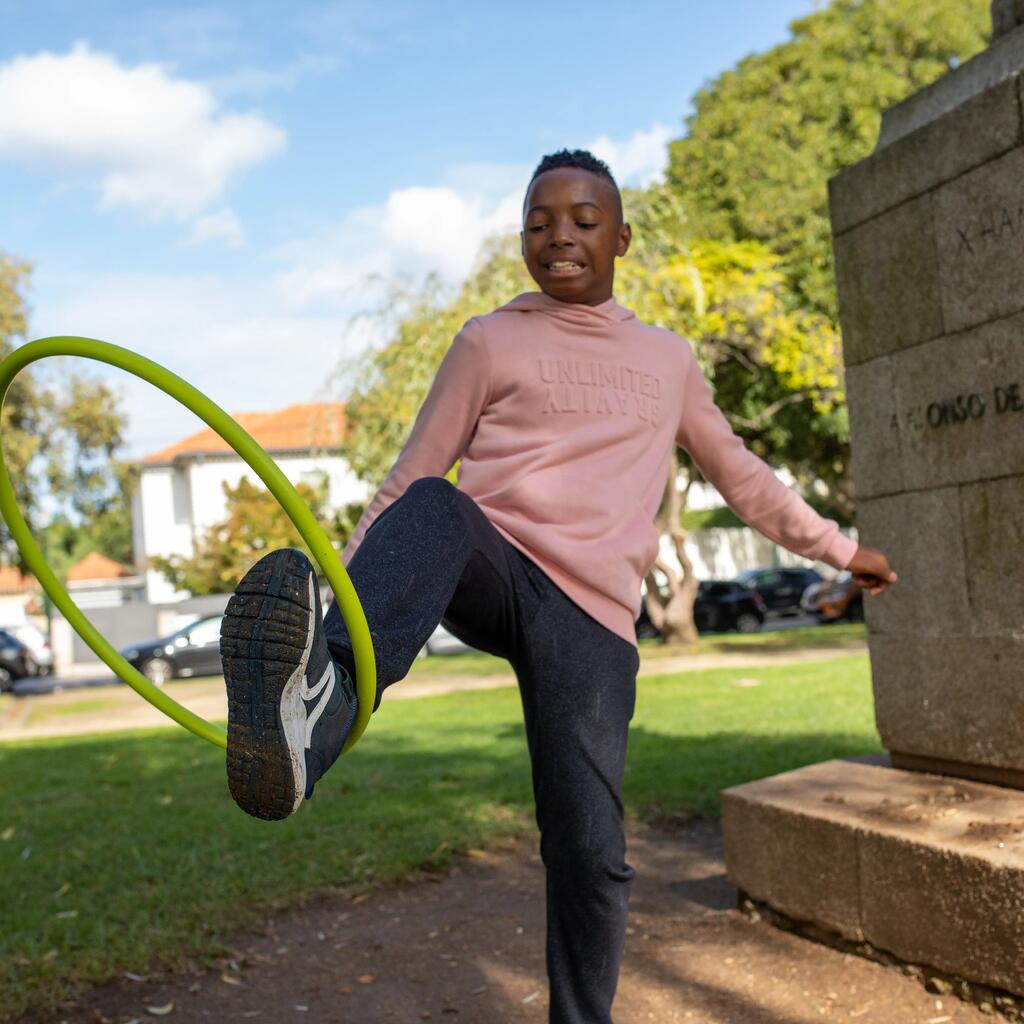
(572, 232)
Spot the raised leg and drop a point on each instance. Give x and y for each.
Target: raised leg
(430, 554)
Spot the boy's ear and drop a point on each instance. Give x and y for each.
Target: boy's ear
(625, 237)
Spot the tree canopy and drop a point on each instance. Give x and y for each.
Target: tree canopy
(765, 136)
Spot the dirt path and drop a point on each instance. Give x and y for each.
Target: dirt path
(467, 948)
(115, 707)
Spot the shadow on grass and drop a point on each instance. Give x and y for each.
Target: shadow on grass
(125, 852)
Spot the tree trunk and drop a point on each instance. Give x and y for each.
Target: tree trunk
(671, 610)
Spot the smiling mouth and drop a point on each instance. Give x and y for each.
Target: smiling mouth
(564, 267)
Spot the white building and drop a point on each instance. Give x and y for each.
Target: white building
(181, 488)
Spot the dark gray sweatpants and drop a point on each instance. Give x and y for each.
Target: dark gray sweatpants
(433, 556)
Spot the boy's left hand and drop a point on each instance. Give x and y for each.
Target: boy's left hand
(871, 570)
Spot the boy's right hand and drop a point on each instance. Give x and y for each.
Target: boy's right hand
(871, 570)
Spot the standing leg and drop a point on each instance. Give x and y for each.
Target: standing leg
(578, 683)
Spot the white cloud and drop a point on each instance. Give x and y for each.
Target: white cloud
(158, 144)
(413, 232)
(222, 226)
(639, 160)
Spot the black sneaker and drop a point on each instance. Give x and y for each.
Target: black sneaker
(290, 705)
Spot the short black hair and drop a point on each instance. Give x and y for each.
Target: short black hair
(582, 159)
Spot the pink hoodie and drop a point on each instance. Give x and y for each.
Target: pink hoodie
(565, 416)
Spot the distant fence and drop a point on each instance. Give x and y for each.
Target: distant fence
(723, 552)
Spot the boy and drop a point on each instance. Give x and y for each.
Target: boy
(564, 409)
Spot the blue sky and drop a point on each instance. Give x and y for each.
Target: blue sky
(211, 184)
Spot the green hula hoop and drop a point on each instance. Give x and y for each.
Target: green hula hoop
(256, 458)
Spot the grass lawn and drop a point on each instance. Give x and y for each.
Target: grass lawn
(124, 850)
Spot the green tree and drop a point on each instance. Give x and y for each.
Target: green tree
(67, 539)
(254, 524)
(21, 418)
(766, 135)
(61, 438)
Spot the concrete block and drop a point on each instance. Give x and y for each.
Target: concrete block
(979, 236)
(810, 869)
(945, 907)
(888, 279)
(874, 428)
(955, 698)
(920, 532)
(980, 130)
(993, 530)
(937, 865)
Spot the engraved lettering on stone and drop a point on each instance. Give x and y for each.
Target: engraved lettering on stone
(994, 226)
(970, 406)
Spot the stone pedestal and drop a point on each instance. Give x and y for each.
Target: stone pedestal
(929, 869)
(929, 247)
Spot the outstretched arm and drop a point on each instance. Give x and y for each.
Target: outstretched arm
(758, 497)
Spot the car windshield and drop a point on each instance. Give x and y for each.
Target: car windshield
(205, 631)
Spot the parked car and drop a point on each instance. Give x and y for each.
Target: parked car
(720, 606)
(723, 605)
(192, 651)
(832, 600)
(14, 660)
(780, 589)
(40, 657)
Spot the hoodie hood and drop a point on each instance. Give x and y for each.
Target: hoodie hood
(576, 313)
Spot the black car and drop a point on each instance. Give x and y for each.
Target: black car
(720, 605)
(723, 605)
(192, 651)
(780, 589)
(14, 660)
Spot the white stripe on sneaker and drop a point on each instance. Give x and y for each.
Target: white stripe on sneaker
(328, 676)
(310, 694)
(293, 707)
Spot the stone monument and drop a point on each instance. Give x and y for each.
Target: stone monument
(923, 855)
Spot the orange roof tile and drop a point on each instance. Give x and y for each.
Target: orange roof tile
(97, 567)
(307, 425)
(14, 581)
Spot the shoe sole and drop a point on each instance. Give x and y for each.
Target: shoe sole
(266, 638)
